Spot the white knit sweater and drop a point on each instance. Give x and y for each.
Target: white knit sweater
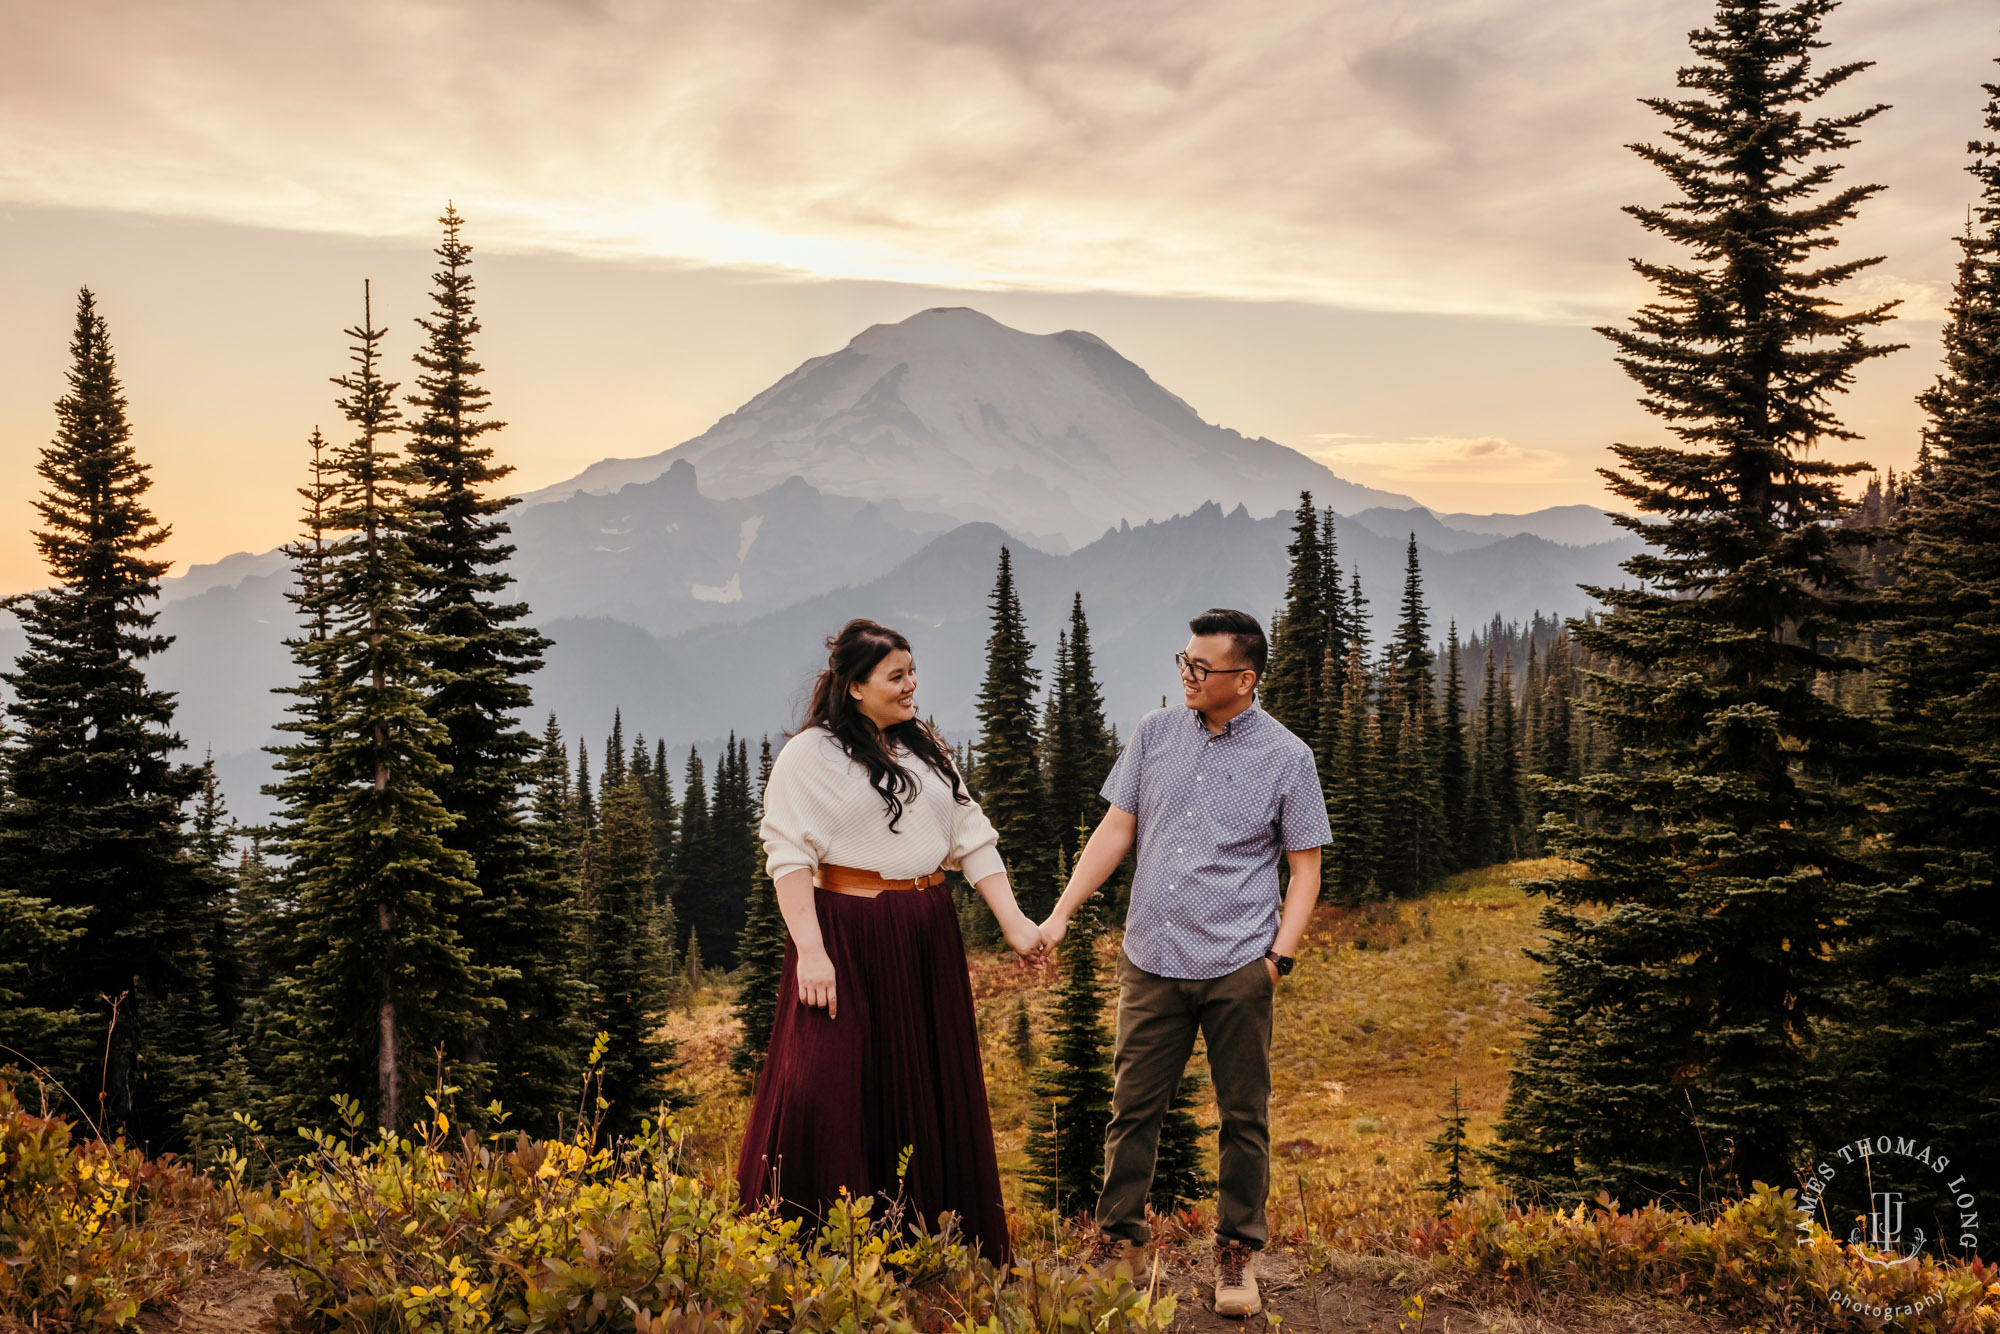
(820, 808)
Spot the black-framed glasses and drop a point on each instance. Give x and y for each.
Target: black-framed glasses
(1201, 671)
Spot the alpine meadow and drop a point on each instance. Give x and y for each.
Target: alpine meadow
(392, 933)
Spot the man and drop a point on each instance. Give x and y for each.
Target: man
(1211, 795)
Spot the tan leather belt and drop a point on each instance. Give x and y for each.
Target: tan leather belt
(850, 880)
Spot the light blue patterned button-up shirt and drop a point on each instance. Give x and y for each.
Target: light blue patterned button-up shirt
(1215, 813)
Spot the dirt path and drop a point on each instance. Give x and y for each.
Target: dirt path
(226, 1301)
(230, 1301)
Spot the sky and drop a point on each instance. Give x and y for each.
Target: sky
(1377, 232)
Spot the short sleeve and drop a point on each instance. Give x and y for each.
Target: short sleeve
(1302, 821)
(1121, 789)
(975, 844)
(794, 826)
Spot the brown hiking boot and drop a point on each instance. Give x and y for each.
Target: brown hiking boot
(1109, 1253)
(1236, 1280)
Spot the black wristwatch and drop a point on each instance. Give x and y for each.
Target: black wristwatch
(1282, 962)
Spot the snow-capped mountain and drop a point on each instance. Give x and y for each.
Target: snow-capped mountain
(1054, 437)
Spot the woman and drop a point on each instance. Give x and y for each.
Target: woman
(874, 1048)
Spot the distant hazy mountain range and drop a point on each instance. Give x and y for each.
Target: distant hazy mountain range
(694, 588)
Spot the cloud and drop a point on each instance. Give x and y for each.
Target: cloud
(1460, 155)
(1430, 460)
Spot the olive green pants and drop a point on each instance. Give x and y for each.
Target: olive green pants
(1158, 1018)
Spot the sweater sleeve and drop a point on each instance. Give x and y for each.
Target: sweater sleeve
(975, 844)
(794, 827)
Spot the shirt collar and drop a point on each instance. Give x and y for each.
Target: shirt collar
(1245, 721)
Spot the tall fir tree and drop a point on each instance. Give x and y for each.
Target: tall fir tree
(1481, 843)
(659, 789)
(1010, 768)
(383, 977)
(1077, 752)
(1509, 800)
(626, 962)
(1413, 848)
(1073, 1086)
(762, 954)
(555, 807)
(1354, 791)
(1291, 687)
(90, 829)
(698, 870)
(1690, 995)
(1340, 626)
(586, 791)
(614, 755)
(1926, 974)
(480, 651)
(1454, 764)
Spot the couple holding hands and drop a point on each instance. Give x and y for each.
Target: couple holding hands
(879, 1052)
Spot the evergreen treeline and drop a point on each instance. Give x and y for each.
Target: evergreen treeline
(1783, 937)
(440, 897)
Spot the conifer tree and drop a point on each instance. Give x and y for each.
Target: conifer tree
(1077, 750)
(1180, 1173)
(614, 755)
(91, 846)
(1413, 847)
(1482, 819)
(555, 807)
(1073, 1086)
(695, 858)
(1340, 626)
(1452, 1148)
(1926, 974)
(1509, 801)
(1010, 770)
(586, 791)
(1354, 793)
(1291, 687)
(479, 652)
(34, 933)
(211, 848)
(383, 977)
(1691, 1001)
(735, 820)
(762, 954)
(1454, 765)
(1021, 1033)
(626, 965)
(659, 789)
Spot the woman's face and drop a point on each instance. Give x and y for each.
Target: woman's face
(889, 695)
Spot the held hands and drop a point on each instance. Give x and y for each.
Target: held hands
(1052, 932)
(816, 982)
(1023, 937)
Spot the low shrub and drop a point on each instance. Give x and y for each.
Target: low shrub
(454, 1232)
(91, 1232)
(1751, 1264)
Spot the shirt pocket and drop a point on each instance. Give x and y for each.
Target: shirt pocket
(1243, 809)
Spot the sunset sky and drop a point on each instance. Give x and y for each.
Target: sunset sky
(1376, 232)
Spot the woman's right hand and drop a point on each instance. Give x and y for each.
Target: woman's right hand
(816, 982)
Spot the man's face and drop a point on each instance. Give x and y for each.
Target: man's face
(1224, 685)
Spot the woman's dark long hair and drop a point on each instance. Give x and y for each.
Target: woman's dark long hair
(851, 658)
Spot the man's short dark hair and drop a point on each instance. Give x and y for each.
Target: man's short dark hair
(1242, 629)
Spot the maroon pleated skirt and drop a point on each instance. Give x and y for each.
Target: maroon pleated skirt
(839, 1100)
